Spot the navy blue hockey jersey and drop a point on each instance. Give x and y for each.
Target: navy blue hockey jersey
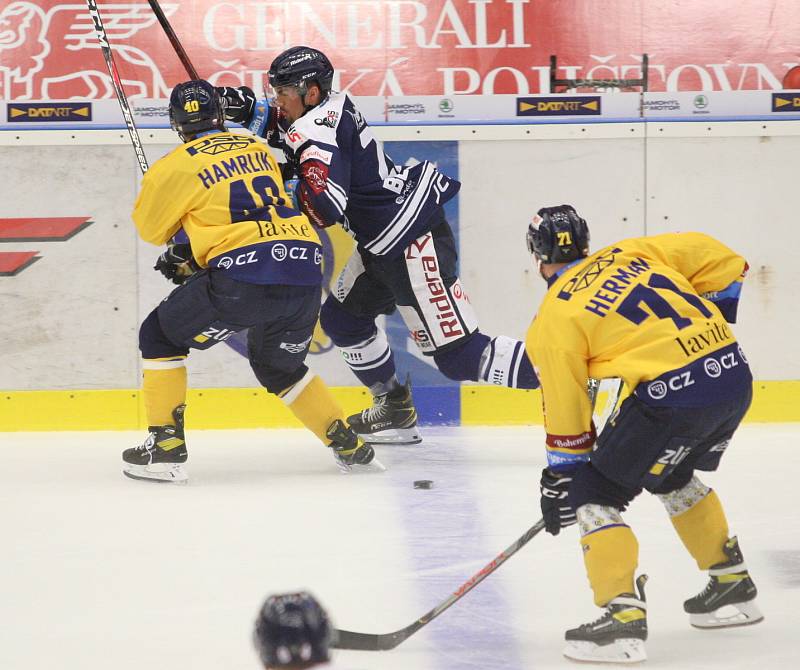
(347, 178)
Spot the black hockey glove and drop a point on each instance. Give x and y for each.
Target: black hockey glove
(177, 263)
(237, 103)
(556, 510)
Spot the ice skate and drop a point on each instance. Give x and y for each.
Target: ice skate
(160, 457)
(350, 451)
(616, 637)
(392, 419)
(729, 597)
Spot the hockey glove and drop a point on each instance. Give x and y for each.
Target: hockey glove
(177, 263)
(556, 510)
(237, 103)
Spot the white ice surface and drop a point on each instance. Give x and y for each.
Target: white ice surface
(99, 571)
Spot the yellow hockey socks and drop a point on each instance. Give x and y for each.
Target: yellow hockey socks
(610, 552)
(703, 529)
(163, 389)
(311, 401)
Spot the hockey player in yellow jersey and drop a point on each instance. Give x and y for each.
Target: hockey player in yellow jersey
(653, 311)
(244, 258)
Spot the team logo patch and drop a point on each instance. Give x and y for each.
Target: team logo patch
(330, 120)
(316, 176)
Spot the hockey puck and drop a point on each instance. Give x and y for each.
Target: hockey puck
(423, 484)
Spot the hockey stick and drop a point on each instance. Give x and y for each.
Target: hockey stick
(105, 46)
(173, 38)
(345, 639)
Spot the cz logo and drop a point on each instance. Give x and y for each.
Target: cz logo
(242, 259)
(658, 389)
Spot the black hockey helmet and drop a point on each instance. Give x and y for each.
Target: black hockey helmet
(558, 235)
(292, 630)
(299, 65)
(195, 107)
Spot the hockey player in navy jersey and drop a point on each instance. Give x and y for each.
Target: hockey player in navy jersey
(406, 257)
(653, 311)
(252, 261)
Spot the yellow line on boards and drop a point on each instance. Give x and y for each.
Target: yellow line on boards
(122, 409)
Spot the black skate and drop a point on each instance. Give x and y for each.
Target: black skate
(349, 449)
(616, 637)
(728, 599)
(392, 419)
(160, 456)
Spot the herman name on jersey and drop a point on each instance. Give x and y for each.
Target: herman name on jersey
(602, 300)
(604, 297)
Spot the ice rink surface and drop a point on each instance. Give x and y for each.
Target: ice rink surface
(99, 571)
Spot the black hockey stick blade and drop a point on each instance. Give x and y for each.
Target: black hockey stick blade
(346, 639)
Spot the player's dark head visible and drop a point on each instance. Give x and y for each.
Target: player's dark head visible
(299, 66)
(558, 235)
(292, 631)
(195, 107)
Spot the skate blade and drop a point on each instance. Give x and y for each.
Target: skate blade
(398, 436)
(730, 616)
(624, 650)
(370, 468)
(167, 473)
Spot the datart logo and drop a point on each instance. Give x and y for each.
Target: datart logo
(781, 102)
(583, 105)
(51, 229)
(48, 112)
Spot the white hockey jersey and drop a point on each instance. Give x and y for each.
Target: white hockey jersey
(345, 177)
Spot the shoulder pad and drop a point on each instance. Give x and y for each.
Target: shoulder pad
(319, 124)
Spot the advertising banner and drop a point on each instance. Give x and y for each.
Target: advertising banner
(49, 49)
(454, 110)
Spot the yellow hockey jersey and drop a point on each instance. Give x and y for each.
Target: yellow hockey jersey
(225, 192)
(643, 309)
